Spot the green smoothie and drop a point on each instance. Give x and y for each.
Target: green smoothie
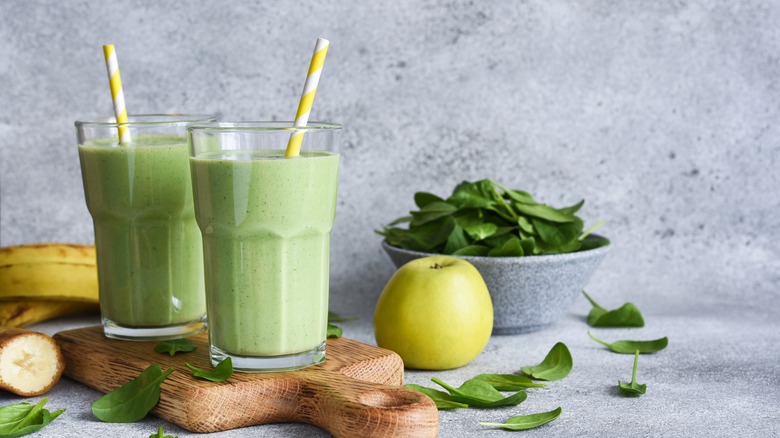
(266, 223)
(150, 258)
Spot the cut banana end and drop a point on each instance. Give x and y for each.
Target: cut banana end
(30, 362)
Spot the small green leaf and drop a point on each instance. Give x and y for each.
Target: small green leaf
(555, 366)
(456, 241)
(133, 400)
(432, 211)
(633, 388)
(422, 199)
(442, 399)
(481, 394)
(161, 434)
(470, 195)
(481, 231)
(510, 248)
(558, 238)
(525, 422)
(334, 331)
(220, 373)
(508, 382)
(334, 317)
(572, 209)
(628, 315)
(542, 211)
(525, 225)
(629, 347)
(25, 418)
(174, 346)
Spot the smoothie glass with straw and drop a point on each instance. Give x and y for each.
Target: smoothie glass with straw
(266, 222)
(149, 251)
(265, 200)
(138, 190)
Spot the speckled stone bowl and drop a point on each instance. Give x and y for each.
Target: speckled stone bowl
(529, 293)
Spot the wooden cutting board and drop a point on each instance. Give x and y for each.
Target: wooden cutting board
(356, 392)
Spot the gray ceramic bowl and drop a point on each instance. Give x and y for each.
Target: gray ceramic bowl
(528, 293)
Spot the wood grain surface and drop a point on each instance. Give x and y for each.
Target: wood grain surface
(356, 392)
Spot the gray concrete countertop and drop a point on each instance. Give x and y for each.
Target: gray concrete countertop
(717, 378)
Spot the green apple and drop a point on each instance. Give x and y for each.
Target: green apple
(435, 312)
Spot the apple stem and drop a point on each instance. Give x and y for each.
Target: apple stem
(436, 266)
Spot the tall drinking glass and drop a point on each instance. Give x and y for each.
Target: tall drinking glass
(265, 221)
(149, 251)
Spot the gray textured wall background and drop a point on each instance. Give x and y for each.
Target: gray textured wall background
(662, 115)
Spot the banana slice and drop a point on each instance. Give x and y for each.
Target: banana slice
(30, 362)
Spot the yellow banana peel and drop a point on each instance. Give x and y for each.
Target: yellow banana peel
(27, 312)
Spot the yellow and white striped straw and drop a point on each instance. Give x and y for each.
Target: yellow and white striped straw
(307, 97)
(117, 96)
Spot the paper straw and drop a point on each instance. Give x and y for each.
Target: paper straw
(117, 96)
(307, 97)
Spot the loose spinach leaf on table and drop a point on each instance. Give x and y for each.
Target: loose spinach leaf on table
(133, 400)
(161, 434)
(334, 331)
(174, 346)
(481, 394)
(525, 422)
(508, 382)
(484, 218)
(633, 388)
(628, 315)
(441, 398)
(220, 373)
(555, 366)
(25, 418)
(629, 347)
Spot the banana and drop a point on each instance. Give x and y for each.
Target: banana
(28, 312)
(48, 252)
(52, 271)
(31, 363)
(50, 280)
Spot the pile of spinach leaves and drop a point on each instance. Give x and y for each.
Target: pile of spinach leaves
(484, 218)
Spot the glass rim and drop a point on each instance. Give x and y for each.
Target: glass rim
(262, 126)
(168, 119)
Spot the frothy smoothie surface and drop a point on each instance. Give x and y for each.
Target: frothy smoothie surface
(148, 243)
(266, 223)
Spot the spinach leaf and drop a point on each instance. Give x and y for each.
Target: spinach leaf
(174, 346)
(525, 422)
(161, 434)
(633, 388)
(432, 211)
(456, 240)
(510, 248)
(441, 398)
(220, 373)
(628, 315)
(472, 250)
(484, 218)
(421, 199)
(25, 418)
(555, 366)
(629, 347)
(335, 317)
(133, 400)
(334, 331)
(481, 394)
(481, 231)
(508, 382)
